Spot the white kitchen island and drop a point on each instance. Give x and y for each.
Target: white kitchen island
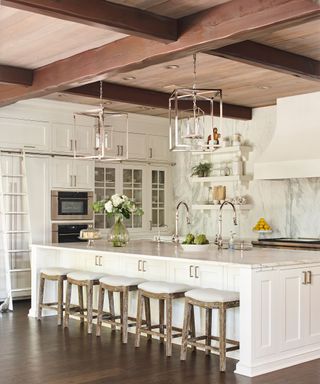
(278, 322)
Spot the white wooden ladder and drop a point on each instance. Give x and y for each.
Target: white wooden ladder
(15, 222)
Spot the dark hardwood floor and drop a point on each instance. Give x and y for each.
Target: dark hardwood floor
(33, 352)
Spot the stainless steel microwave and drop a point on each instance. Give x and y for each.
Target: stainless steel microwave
(67, 205)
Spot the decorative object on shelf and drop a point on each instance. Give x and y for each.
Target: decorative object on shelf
(90, 234)
(236, 139)
(202, 169)
(237, 168)
(103, 123)
(187, 111)
(213, 140)
(219, 193)
(239, 200)
(120, 207)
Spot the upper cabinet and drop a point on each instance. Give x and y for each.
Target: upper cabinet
(72, 174)
(31, 135)
(65, 139)
(137, 146)
(158, 148)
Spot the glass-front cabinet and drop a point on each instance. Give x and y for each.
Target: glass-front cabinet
(147, 185)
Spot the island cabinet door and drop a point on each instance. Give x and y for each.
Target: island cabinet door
(145, 268)
(313, 305)
(183, 272)
(106, 263)
(294, 308)
(210, 276)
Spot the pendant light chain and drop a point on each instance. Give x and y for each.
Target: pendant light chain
(100, 94)
(194, 84)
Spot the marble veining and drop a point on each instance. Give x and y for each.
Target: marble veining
(291, 206)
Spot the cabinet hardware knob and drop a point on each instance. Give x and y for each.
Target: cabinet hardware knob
(304, 280)
(309, 277)
(139, 265)
(191, 271)
(144, 269)
(196, 272)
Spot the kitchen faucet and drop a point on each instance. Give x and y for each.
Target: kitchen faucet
(175, 237)
(218, 240)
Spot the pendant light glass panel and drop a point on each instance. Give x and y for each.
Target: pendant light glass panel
(192, 115)
(104, 125)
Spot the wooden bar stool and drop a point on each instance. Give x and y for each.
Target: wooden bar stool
(165, 293)
(53, 274)
(123, 285)
(209, 299)
(81, 279)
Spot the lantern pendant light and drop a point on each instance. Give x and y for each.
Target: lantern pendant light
(104, 124)
(192, 116)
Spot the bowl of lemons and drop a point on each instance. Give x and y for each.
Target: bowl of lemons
(262, 227)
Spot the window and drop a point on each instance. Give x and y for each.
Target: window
(132, 187)
(158, 198)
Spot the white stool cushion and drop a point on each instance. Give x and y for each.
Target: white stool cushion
(55, 271)
(211, 295)
(84, 275)
(163, 287)
(120, 281)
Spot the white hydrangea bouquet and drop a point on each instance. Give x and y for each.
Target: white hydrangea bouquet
(120, 207)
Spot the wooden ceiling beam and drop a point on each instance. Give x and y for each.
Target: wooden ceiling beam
(104, 14)
(266, 57)
(15, 75)
(222, 25)
(149, 98)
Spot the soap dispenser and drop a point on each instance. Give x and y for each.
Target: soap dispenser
(231, 240)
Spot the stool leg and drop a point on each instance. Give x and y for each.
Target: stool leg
(111, 309)
(148, 315)
(185, 330)
(161, 319)
(125, 298)
(80, 298)
(169, 326)
(192, 326)
(208, 328)
(139, 319)
(60, 301)
(222, 337)
(40, 299)
(67, 309)
(100, 310)
(89, 305)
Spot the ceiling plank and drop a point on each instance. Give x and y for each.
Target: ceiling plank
(263, 56)
(15, 75)
(104, 14)
(149, 98)
(225, 24)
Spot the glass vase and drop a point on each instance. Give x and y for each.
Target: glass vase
(118, 235)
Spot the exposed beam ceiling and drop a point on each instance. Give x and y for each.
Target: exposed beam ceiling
(15, 75)
(149, 98)
(225, 24)
(104, 14)
(263, 56)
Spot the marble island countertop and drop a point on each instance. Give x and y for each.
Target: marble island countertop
(255, 258)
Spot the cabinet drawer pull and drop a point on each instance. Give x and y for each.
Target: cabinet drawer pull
(71, 181)
(71, 145)
(100, 262)
(309, 277)
(121, 150)
(144, 269)
(75, 145)
(150, 153)
(75, 180)
(139, 265)
(118, 150)
(196, 272)
(304, 280)
(96, 260)
(191, 271)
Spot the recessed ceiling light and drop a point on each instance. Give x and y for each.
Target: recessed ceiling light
(170, 86)
(263, 87)
(128, 78)
(172, 66)
(107, 102)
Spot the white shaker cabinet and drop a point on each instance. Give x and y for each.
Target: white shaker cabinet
(148, 269)
(137, 146)
(158, 148)
(65, 139)
(69, 173)
(300, 316)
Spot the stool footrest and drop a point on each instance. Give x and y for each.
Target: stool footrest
(195, 342)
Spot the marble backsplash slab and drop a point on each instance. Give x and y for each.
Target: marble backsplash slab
(291, 206)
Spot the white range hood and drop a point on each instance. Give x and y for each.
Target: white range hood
(294, 150)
